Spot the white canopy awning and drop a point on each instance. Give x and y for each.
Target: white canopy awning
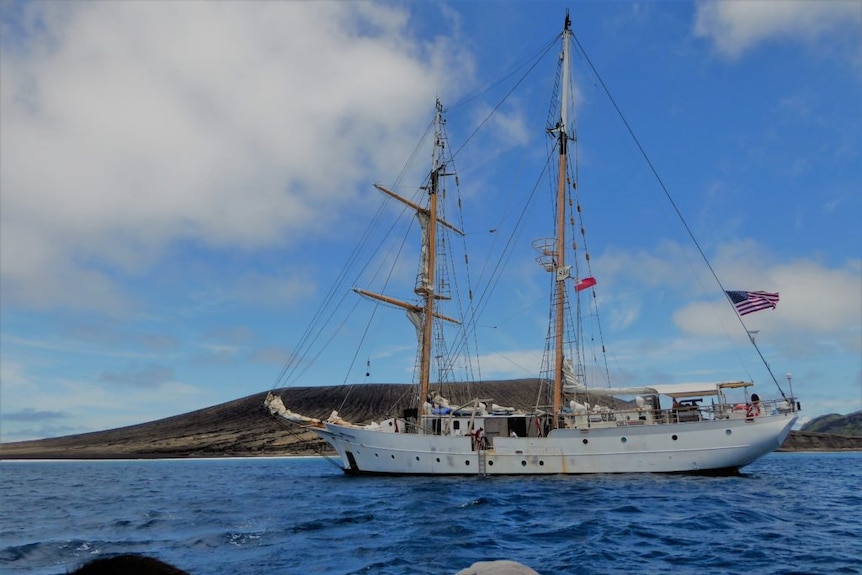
(697, 389)
(608, 391)
(670, 389)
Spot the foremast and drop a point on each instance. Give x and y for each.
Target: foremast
(425, 288)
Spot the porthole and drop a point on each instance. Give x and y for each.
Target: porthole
(523, 463)
(623, 439)
(376, 455)
(586, 441)
(727, 431)
(467, 462)
(438, 460)
(392, 456)
(674, 437)
(541, 462)
(491, 462)
(417, 458)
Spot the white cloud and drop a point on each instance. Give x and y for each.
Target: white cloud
(737, 26)
(129, 126)
(511, 364)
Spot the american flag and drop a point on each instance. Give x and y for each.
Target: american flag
(751, 301)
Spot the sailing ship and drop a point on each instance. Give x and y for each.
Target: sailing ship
(574, 427)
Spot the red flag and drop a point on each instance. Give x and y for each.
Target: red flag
(585, 283)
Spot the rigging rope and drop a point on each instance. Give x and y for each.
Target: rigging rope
(493, 111)
(670, 199)
(291, 368)
(291, 426)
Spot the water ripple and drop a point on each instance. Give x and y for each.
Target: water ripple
(788, 513)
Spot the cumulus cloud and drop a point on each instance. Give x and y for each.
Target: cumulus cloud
(131, 126)
(735, 27)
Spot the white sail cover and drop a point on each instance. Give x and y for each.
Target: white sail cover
(423, 266)
(418, 322)
(571, 384)
(276, 407)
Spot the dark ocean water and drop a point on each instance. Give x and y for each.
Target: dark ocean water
(788, 513)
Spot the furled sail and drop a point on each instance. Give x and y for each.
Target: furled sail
(571, 383)
(417, 320)
(276, 407)
(423, 285)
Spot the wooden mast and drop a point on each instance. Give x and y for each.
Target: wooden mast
(426, 288)
(562, 273)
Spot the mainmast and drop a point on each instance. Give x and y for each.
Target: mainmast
(562, 270)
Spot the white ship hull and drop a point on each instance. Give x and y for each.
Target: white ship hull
(701, 446)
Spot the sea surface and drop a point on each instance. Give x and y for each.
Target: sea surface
(787, 513)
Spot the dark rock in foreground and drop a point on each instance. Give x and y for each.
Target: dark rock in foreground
(242, 428)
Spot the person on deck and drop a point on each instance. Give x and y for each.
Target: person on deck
(754, 406)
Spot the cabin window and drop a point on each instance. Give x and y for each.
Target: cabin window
(456, 424)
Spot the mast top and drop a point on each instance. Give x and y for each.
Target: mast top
(564, 95)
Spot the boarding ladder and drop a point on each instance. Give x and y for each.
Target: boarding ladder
(482, 453)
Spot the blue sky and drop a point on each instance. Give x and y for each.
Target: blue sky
(181, 182)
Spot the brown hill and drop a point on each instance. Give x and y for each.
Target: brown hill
(243, 428)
